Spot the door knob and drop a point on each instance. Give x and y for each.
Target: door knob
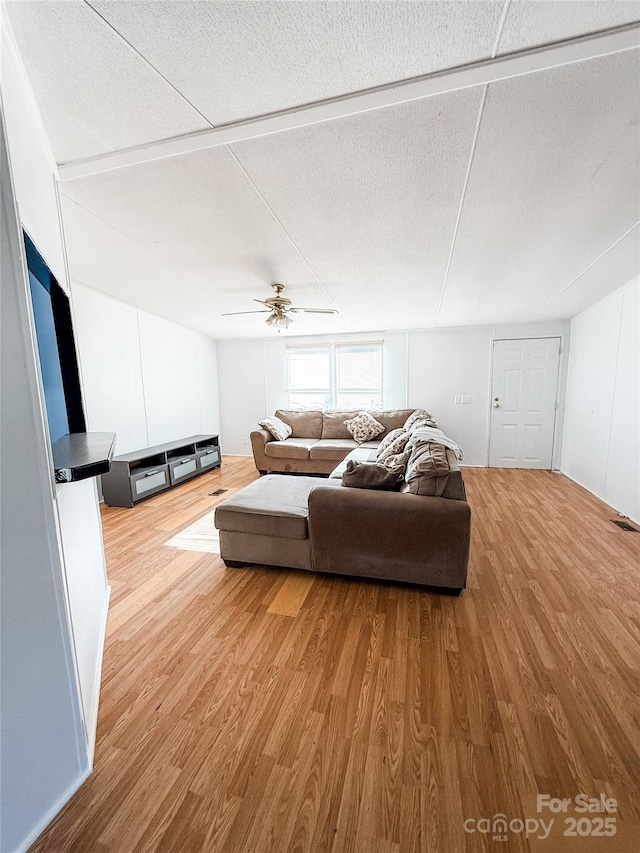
(496, 403)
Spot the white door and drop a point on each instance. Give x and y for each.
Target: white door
(523, 402)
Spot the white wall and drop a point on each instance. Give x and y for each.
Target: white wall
(45, 754)
(253, 380)
(243, 392)
(87, 590)
(145, 378)
(109, 355)
(422, 368)
(40, 718)
(602, 420)
(444, 363)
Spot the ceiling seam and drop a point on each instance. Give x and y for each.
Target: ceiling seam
(586, 269)
(117, 230)
(483, 100)
(147, 62)
(262, 198)
(462, 201)
(503, 20)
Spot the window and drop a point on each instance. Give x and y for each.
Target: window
(345, 376)
(309, 371)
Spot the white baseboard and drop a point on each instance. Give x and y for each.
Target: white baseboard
(49, 815)
(91, 724)
(600, 498)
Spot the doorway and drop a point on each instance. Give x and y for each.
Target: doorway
(524, 402)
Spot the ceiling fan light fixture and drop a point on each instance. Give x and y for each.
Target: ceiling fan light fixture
(279, 308)
(278, 321)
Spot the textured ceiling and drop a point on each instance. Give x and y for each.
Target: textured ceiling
(451, 210)
(95, 93)
(531, 23)
(269, 56)
(563, 190)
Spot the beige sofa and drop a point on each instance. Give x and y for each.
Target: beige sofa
(320, 525)
(318, 442)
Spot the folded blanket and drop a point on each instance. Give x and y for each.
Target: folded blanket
(423, 434)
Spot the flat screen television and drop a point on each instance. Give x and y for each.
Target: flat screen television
(56, 348)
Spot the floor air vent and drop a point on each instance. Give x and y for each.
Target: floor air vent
(625, 526)
(218, 492)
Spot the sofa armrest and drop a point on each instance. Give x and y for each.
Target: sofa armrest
(259, 440)
(390, 535)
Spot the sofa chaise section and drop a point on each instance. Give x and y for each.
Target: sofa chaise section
(267, 522)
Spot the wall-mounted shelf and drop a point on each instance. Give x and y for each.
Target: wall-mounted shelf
(133, 477)
(80, 455)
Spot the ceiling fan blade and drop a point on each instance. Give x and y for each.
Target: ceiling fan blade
(318, 310)
(236, 313)
(262, 302)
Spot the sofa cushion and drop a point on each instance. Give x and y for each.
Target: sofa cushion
(428, 469)
(278, 429)
(332, 449)
(333, 424)
(303, 424)
(271, 506)
(290, 448)
(392, 419)
(454, 489)
(364, 427)
(362, 453)
(371, 475)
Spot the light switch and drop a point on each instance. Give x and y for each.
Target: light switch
(458, 399)
(466, 400)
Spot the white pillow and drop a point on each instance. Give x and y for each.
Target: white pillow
(389, 438)
(398, 444)
(364, 427)
(278, 429)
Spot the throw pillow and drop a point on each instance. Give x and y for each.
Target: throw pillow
(398, 462)
(364, 427)
(389, 437)
(419, 418)
(278, 429)
(371, 475)
(392, 448)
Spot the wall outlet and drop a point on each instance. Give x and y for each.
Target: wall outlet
(245, 440)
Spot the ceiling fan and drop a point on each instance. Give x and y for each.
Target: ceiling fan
(279, 308)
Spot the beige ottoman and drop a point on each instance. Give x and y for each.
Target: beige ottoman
(267, 522)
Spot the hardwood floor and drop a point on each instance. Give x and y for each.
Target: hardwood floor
(272, 710)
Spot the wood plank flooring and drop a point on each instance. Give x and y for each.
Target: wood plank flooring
(267, 710)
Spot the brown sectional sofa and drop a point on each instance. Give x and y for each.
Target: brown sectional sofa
(319, 440)
(320, 525)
